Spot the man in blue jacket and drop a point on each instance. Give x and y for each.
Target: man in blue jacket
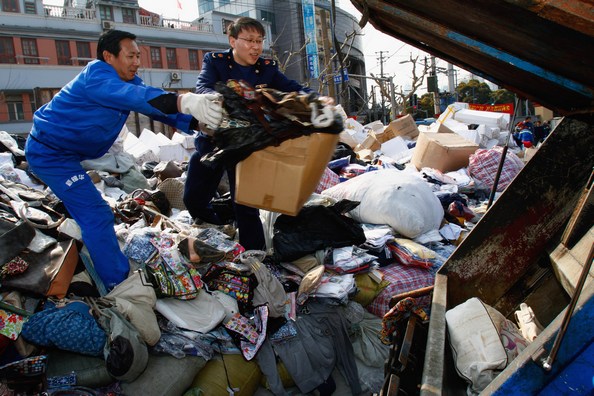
(242, 61)
(82, 122)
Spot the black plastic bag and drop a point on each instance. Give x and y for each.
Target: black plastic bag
(314, 228)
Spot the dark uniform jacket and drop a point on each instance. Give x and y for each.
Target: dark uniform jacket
(220, 66)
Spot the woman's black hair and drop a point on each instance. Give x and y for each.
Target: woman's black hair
(110, 42)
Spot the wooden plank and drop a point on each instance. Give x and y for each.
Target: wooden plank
(433, 367)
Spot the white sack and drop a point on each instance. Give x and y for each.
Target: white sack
(388, 196)
(488, 118)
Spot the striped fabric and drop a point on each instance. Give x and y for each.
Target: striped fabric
(402, 279)
(329, 179)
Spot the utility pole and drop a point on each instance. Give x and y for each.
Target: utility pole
(374, 109)
(327, 57)
(392, 97)
(450, 73)
(381, 60)
(436, 108)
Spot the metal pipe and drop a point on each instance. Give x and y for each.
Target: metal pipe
(502, 159)
(547, 363)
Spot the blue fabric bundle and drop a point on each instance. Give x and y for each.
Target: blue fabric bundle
(70, 328)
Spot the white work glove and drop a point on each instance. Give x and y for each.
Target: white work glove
(206, 108)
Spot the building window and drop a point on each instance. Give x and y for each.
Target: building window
(106, 13)
(14, 103)
(31, 56)
(171, 58)
(269, 17)
(224, 2)
(226, 24)
(83, 51)
(7, 50)
(205, 6)
(10, 5)
(193, 55)
(129, 15)
(63, 51)
(156, 62)
(30, 7)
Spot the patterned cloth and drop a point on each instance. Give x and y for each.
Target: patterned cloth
(400, 311)
(29, 367)
(14, 267)
(329, 179)
(11, 324)
(70, 328)
(483, 165)
(402, 279)
(252, 332)
(408, 252)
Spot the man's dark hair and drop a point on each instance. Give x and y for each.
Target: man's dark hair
(245, 23)
(110, 42)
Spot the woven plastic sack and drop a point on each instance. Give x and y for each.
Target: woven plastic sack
(483, 166)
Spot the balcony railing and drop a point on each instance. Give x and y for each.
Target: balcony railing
(145, 20)
(70, 12)
(31, 60)
(156, 21)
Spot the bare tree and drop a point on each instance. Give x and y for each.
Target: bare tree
(419, 71)
(287, 56)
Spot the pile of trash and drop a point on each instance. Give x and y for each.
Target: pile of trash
(198, 312)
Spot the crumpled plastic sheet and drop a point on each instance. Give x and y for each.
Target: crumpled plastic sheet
(179, 346)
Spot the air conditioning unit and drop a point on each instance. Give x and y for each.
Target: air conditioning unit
(107, 25)
(175, 76)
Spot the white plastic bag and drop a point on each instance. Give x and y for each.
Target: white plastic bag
(389, 196)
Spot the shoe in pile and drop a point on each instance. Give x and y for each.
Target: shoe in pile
(527, 322)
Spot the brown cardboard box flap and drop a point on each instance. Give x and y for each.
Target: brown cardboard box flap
(370, 143)
(404, 126)
(442, 151)
(282, 178)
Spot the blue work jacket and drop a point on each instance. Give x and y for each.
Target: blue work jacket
(87, 115)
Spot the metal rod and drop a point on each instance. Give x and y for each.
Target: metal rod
(547, 363)
(580, 206)
(502, 159)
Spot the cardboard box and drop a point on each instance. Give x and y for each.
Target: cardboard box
(370, 143)
(365, 155)
(141, 152)
(442, 151)
(171, 152)
(186, 141)
(395, 148)
(405, 127)
(281, 179)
